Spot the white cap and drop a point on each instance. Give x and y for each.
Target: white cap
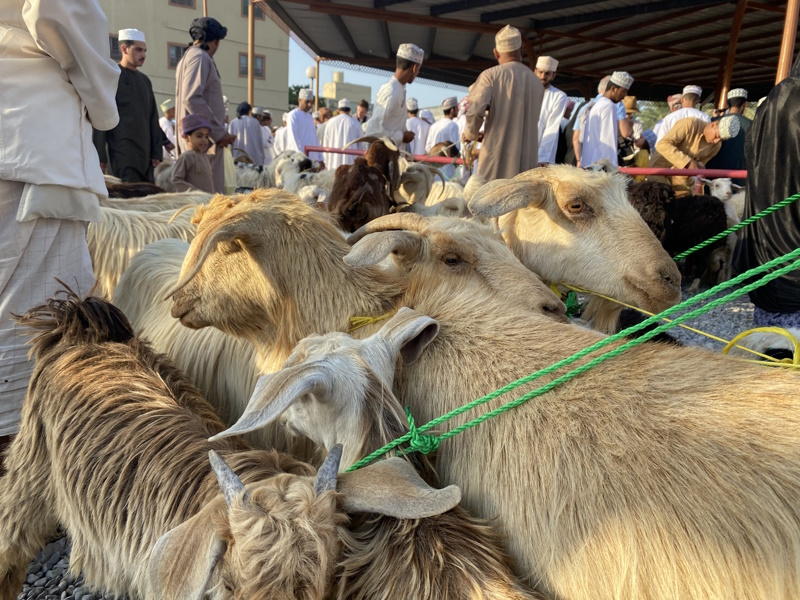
(547, 63)
(728, 127)
(450, 102)
(411, 52)
(131, 35)
(622, 79)
(427, 116)
(737, 93)
(508, 39)
(306, 94)
(225, 100)
(315, 114)
(343, 103)
(283, 118)
(412, 104)
(693, 89)
(257, 110)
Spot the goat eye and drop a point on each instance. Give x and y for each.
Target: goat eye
(451, 259)
(575, 206)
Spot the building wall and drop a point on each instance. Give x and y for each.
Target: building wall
(165, 24)
(335, 91)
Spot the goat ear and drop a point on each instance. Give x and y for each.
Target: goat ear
(199, 251)
(409, 333)
(392, 487)
(184, 558)
(374, 247)
(503, 196)
(276, 392)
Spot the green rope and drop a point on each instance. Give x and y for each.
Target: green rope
(737, 227)
(794, 255)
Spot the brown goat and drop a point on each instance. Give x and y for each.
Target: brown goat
(358, 195)
(113, 447)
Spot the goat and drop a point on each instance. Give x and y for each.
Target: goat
(358, 195)
(122, 233)
(158, 202)
(163, 175)
(337, 390)
(660, 474)
(259, 176)
(90, 455)
(577, 226)
(416, 183)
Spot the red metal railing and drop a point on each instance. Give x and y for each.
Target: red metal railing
(441, 160)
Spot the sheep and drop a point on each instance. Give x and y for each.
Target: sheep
(661, 474)
(337, 390)
(90, 456)
(723, 188)
(577, 226)
(122, 233)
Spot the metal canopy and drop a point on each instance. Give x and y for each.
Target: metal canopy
(664, 44)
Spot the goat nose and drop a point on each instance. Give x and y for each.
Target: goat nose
(671, 276)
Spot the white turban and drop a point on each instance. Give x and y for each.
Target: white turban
(737, 93)
(693, 89)
(547, 63)
(131, 35)
(411, 52)
(427, 116)
(343, 103)
(412, 104)
(728, 127)
(306, 94)
(622, 79)
(508, 39)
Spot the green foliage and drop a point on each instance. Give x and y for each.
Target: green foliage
(294, 92)
(652, 112)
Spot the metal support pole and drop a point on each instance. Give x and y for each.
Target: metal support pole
(251, 53)
(787, 45)
(736, 27)
(205, 8)
(316, 93)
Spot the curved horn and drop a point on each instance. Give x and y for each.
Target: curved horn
(366, 138)
(441, 176)
(393, 222)
(374, 248)
(179, 211)
(229, 483)
(327, 474)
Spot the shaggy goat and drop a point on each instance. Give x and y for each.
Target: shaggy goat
(122, 233)
(358, 195)
(334, 389)
(576, 226)
(159, 202)
(660, 474)
(90, 456)
(259, 176)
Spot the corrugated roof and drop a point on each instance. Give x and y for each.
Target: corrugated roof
(664, 44)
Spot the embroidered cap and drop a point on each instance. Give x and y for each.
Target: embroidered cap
(306, 94)
(547, 63)
(411, 52)
(737, 93)
(508, 39)
(449, 103)
(728, 127)
(412, 104)
(622, 79)
(693, 89)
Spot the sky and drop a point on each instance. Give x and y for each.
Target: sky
(426, 95)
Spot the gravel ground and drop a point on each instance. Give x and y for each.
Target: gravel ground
(47, 578)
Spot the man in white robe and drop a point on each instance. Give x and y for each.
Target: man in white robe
(264, 117)
(300, 128)
(689, 101)
(168, 127)
(249, 138)
(674, 103)
(389, 113)
(553, 105)
(417, 126)
(280, 136)
(340, 131)
(602, 123)
(445, 131)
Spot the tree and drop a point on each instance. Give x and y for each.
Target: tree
(294, 91)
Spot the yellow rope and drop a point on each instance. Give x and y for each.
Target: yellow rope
(729, 344)
(794, 361)
(359, 322)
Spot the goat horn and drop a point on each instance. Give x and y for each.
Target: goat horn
(179, 211)
(392, 222)
(366, 138)
(229, 483)
(441, 176)
(326, 476)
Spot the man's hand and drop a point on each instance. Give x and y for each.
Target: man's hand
(693, 164)
(408, 136)
(155, 162)
(226, 140)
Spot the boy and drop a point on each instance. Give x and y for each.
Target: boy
(193, 168)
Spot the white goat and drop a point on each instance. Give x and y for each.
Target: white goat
(122, 233)
(576, 226)
(723, 188)
(158, 202)
(337, 390)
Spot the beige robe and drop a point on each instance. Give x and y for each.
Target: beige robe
(198, 90)
(513, 95)
(683, 143)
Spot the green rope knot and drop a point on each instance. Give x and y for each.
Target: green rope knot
(420, 442)
(573, 304)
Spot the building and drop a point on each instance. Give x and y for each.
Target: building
(166, 27)
(337, 89)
